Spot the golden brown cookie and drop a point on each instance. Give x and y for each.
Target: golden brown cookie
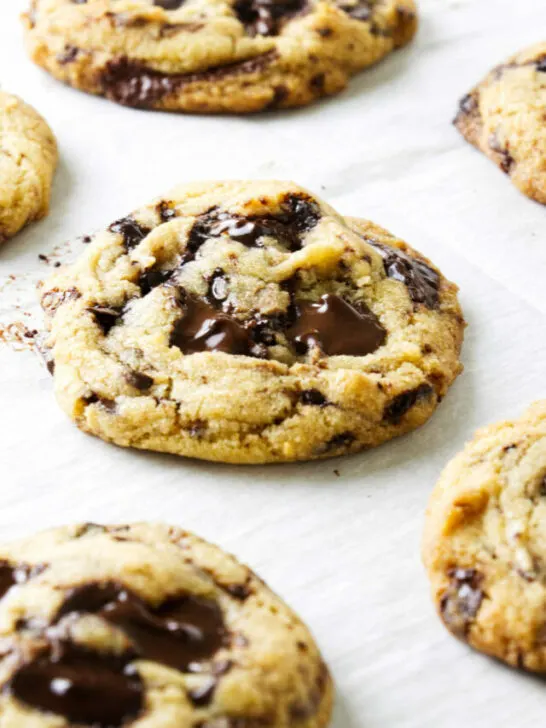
(214, 55)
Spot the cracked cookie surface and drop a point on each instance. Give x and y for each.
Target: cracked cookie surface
(485, 546)
(214, 56)
(28, 156)
(249, 322)
(504, 118)
(148, 626)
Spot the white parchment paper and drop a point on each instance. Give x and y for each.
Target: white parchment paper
(343, 550)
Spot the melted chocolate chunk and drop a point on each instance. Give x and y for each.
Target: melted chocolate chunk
(297, 216)
(85, 688)
(7, 578)
(203, 328)
(421, 280)
(130, 230)
(169, 4)
(336, 327)
(139, 381)
(313, 397)
(105, 317)
(177, 633)
(266, 17)
(402, 403)
(133, 84)
(462, 600)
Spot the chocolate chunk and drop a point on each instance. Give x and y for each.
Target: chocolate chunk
(203, 695)
(132, 84)
(468, 104)
(422, 282)
(131, 231)
(336, 327)
(139, 381)
(239, 591)
(150, 279)
(203, 328)
(106, 318)
(165, 211)
(179, 632)
(68, 55)
(266, 17)
(343, 439)
(402, 403)
(505, 159)
(313, 397)
(11, 575)
(462, 599)
(85, 688)
(360, 10)
(298, 215)
(108, 404)
(169, 4)
(218, 287)
(541, 64)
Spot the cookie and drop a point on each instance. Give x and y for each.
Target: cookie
(248, 322)
(212, 56)
(28, 156)
(147, 625)
(484, 544)
(504, 118)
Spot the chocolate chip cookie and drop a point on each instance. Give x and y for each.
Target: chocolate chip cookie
(248, 322)
(504, 117)
(28, 156)
(484, 543)
(222, 56)
(111, 626)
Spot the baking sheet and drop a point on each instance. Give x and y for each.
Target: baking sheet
(343, 550)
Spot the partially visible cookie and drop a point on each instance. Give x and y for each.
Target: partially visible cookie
(504, 118)
(485, 541)
(28, 156)
(147, 626)
(214, 55)
(249, 322)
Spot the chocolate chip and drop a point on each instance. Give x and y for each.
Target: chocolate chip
(402, 403)
(108, 404)
(422, 282)
(132, 84)
(139, 381)
(313, 397)
(68, 55)
(462, 599)
(468, 104)
(131, 231)
(203, 328)
(505, 159)
(266, 17)
(361, 10)
(165, 211)
(542, 487)
(541, 65)
(336, 327)
(105, 317)
(169, 4)
(198, 428)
